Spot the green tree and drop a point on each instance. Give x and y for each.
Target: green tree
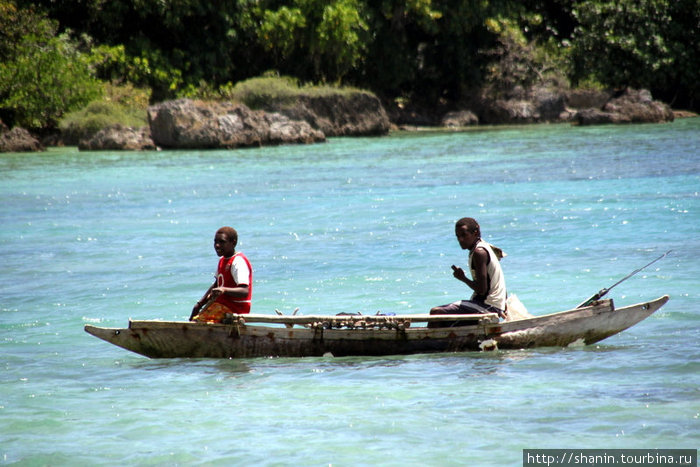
(340, 41)
(313, 39)
(680, 85)
(281, 32)
(653, 44)
(622, 42)
(44, 75)
(167, 45)
(432, 50)
(402, 32)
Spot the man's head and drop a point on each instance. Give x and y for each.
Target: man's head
(225, 241)
(468, 232)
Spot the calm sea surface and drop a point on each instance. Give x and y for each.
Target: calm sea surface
(356, 224)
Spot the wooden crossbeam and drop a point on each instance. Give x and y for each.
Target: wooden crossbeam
(335, 320)
(369, 319)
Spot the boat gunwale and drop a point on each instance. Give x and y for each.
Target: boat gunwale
(333, 319)
(489, 319)
(600, 307)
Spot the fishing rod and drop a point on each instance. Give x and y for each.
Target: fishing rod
(604, 291)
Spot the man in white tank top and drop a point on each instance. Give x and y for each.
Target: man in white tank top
(487, 282)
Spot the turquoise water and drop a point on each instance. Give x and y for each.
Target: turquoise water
(361, 224)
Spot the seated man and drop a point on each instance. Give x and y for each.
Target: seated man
(232, 289)
(487, 280)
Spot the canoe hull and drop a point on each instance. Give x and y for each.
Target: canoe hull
(193, 340)
(163, 339)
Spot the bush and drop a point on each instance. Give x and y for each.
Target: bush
(98, 115)
(259, 93)
(266, 91)
(134, 100)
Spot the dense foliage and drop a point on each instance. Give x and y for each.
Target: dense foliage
(653, 44)
(42, 73)
(426, 50)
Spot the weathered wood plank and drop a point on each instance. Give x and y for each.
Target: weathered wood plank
(369, 319)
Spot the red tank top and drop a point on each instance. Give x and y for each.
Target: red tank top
(224, 278)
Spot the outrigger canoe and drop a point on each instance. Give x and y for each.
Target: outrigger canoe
(261, 335)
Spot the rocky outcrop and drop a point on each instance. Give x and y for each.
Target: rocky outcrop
(190, 124)
(350, 113)
(283, 130)
(538, 105)
(411, 115)
(520, 106)
(119, 137)
(18, 140)
(578, 99)
(631, 106)
(534, 106)
(459, 118)
(509, 111)
(551, 105)
(679, 113)
(186, 123)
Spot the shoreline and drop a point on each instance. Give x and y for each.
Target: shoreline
(310, 122)
(678, 115)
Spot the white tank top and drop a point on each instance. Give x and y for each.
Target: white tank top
(496, 295)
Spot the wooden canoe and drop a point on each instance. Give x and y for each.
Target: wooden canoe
(259, 335)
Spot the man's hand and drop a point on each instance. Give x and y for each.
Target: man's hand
(200, 304)
(458, 273)
(195, 310)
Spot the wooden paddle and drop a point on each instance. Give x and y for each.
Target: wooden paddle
(206, 305)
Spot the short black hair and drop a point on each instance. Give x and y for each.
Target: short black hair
(470, 223)
(231, 234)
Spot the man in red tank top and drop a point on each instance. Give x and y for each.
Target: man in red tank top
(232, 290)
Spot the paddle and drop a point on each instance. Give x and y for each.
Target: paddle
(204, 307)
(603, 292)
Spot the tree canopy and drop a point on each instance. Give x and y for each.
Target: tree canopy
(412, 49)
